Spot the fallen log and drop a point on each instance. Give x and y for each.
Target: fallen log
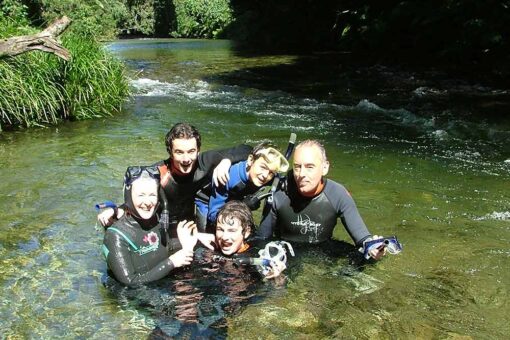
(42, 41)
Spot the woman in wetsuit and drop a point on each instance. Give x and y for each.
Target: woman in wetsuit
(137, 247)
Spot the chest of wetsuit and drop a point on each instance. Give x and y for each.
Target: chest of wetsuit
(137, 255)
(296, 218)
(181, 190)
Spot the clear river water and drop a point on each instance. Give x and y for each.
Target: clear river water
(425, 159)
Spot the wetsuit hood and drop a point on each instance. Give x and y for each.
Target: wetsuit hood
(128, 198)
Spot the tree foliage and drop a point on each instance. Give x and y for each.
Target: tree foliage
(202, 18)
(450, 31)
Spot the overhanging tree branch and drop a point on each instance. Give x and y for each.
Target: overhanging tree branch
(42, 41)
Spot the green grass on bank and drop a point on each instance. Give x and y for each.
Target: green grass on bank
(39, 88)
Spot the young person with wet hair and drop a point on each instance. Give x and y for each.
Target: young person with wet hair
(307, 210)
(137, 248)
(186, 171)
(245, 178)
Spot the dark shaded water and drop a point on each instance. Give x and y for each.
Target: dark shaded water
(426, 159)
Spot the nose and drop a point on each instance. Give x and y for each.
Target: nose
(264, 174)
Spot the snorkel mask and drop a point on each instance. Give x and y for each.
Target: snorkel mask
(275, 252)
(390, 243)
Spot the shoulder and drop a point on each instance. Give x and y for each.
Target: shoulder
(332, 186)
(336, 193)
(126, 225)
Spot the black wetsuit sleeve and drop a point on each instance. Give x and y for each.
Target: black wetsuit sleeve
(348, 214)
(120, 263)
(237, 153)
(210, 159)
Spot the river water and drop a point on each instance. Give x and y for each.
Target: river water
(416, 170)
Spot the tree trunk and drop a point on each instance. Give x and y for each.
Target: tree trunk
(43, 41)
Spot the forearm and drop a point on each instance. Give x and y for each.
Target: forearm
(120, 262)
(237, 153)
(353, 223)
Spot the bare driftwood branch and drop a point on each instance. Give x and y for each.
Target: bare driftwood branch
(42, 41)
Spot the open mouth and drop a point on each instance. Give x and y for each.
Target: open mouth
(226, 245)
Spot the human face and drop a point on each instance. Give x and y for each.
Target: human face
(144, 194)
(229, 235)
(309, 167)
(260, 171)
(184, 155)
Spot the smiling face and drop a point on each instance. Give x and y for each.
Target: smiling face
(260, 171)
(144, 193)
(184, 155)
(230, 236)
(309, 167)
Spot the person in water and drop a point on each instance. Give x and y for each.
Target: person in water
(234, 226)
(245, 178)
(306, 211)
(186, 171)
(137, 248)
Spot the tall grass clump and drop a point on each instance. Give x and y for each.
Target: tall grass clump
(38, 88)
(30, 94)
(94, 81)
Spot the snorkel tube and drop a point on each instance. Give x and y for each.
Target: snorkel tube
(164, 219)
(278, 178)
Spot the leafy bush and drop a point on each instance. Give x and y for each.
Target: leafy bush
(92, 18)
(94, 81)
(202, 18)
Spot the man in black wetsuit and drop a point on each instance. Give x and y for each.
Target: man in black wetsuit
(306, 211)
(186, 171)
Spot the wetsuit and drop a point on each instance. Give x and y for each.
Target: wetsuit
(136, 255)
(181, 190)
(237, 188)
(296, 218)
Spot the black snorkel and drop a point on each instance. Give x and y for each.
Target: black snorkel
(164, 219)
(278, 180)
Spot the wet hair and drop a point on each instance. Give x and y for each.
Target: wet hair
(261, 146)
(316, 143)
(182, 130)
(236, 210)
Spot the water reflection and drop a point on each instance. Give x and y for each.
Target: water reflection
(195, 301)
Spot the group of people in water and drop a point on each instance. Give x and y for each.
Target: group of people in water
(199, 197)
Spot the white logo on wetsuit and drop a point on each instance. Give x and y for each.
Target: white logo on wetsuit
(308, 227)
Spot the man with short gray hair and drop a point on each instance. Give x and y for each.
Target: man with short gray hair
(306, 211)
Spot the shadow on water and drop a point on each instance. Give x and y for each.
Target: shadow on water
(340, 78)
